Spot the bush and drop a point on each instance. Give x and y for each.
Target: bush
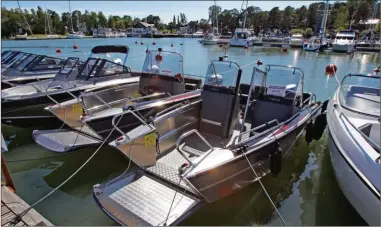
(308, 32)
(297, 31)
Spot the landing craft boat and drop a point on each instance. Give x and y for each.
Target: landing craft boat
(203, 151)
(162, 85)
(353, 119)
(23, 106)
(26, 68)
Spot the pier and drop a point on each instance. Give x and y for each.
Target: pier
(12, 205)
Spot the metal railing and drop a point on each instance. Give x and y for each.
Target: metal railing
(256, 129)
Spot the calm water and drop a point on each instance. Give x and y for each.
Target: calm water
(306, 191)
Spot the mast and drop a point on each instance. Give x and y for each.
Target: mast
(244, 20)
(24, 17)
(47, 18)
(71, 18)
(324, 20)
(215, 9)
(373, 17)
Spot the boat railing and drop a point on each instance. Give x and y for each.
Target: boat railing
(254, 130)
(180, 146)
(64, 90)
(115, 125)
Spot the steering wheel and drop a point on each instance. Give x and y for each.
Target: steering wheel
(150, 89)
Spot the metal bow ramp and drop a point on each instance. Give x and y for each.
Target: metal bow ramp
(65, 140)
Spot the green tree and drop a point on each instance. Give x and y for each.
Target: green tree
(341, 21)
(274, 17)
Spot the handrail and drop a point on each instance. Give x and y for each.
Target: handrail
(168, 109)
(126, 112)
(64, 90)
(239, 136)
(186, 134)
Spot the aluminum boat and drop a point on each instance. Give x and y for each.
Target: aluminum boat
(353, 119)
(23, 105)
(162, 85)
(205, 150)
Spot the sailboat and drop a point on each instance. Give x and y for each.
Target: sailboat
(73, 34)
(242, 36)
(319, 43)
(212, 37)
(50, 36)
(23, 37)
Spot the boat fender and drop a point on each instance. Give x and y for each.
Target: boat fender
(324, 106)
(309, 131)
(319, 126)
(276, 161)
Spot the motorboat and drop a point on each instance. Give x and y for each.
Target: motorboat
(198, 34)
(353, 119)
(22, 37)
(26, 68)
(162, 85)
(8, 56)
(23, 106)
(75, 35)
(211, 37)
(242, 37)
(205, 150)
(296, 40)
(315, 44)
(344, 41)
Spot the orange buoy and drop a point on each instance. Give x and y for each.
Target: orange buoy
(284, 49)
(259, 62)
(159, 58)
(58, 50)
(331, 69)
(75, 47)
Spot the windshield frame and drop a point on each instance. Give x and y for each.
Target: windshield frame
(341, 99)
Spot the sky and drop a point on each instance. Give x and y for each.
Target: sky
(194, 10)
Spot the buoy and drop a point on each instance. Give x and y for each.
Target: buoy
(159, 58)
(220, 45)
(331, 69)
(75, 47)
(181, 44)
(147, 51)
(376, 70)
(136, 42)
(171, 45)
(58, 50)
(309, 133)
(284, 49)
(141, 43)
(153, 43)
(319, 126)
(259, 62)
(245, 47)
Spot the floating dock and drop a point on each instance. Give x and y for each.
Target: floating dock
(12, 204)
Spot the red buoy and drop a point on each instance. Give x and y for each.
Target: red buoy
(159, 58)
(75, 47)
(331, 69)
(153, 43)
(376, 70)
(284, 49)
(245, 47)
(259, 62)
(58, 50)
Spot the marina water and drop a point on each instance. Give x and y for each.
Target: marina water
(306, 190)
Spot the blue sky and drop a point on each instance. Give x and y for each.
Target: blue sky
(194, 10)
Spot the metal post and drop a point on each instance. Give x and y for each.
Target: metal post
(5, 172)
(247, 103)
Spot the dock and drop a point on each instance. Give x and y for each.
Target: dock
(12, 204)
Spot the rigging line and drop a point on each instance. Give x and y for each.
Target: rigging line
(65, 181)
(264, 189)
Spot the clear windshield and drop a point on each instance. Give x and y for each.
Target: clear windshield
(5, 55)
(163, 63)
(287, 79)
(23, 61)
(222, 73)
(361, 93)
(95, 67)
(69, 65)
(14, 57)
(48, 63)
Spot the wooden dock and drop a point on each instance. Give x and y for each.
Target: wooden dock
(12, 204)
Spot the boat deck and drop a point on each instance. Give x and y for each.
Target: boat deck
(11, 205)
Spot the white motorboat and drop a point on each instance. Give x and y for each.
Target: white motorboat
(344, 41)
(198, 34)
(296, 40)
(211, 38)
(315, 44)
(353, 119)
(242, 36)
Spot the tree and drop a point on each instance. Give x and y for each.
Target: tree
(204, 24)
(274, 17)
(301, 17)
(341, 21)
(102, 20)
(111, 22)
(287, 18)
(214, 11)
(183, 18)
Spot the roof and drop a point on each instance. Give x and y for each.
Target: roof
(147, 25)
(370, 21)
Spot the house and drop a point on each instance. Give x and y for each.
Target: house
(185, 29)
(144, 28)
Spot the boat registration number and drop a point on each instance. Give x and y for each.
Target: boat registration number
(150, 139)
(279, 91)
(77, 108)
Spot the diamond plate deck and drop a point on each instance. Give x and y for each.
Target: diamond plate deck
(63, 140)
(140, 200)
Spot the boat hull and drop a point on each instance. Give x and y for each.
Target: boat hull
(358, 194)
(241, 43)
(342, 47)
(210, 42)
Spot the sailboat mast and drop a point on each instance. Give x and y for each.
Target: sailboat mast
(71, 18)
(373, 17)
(47, 18)
(215, 9)
(244, 20)
(24, 17)
(324, 20)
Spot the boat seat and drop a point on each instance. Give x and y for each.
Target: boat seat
(161, 83)
(268, 108)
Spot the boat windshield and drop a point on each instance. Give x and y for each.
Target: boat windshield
(344, 37)
(241, 35)
(163, 63)
(13, 58)
(6, 54)
(361, 93)
(23, 61)
(222, 73)
(70, 64)
(96, 67)
(46, 62)
(284, 81)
